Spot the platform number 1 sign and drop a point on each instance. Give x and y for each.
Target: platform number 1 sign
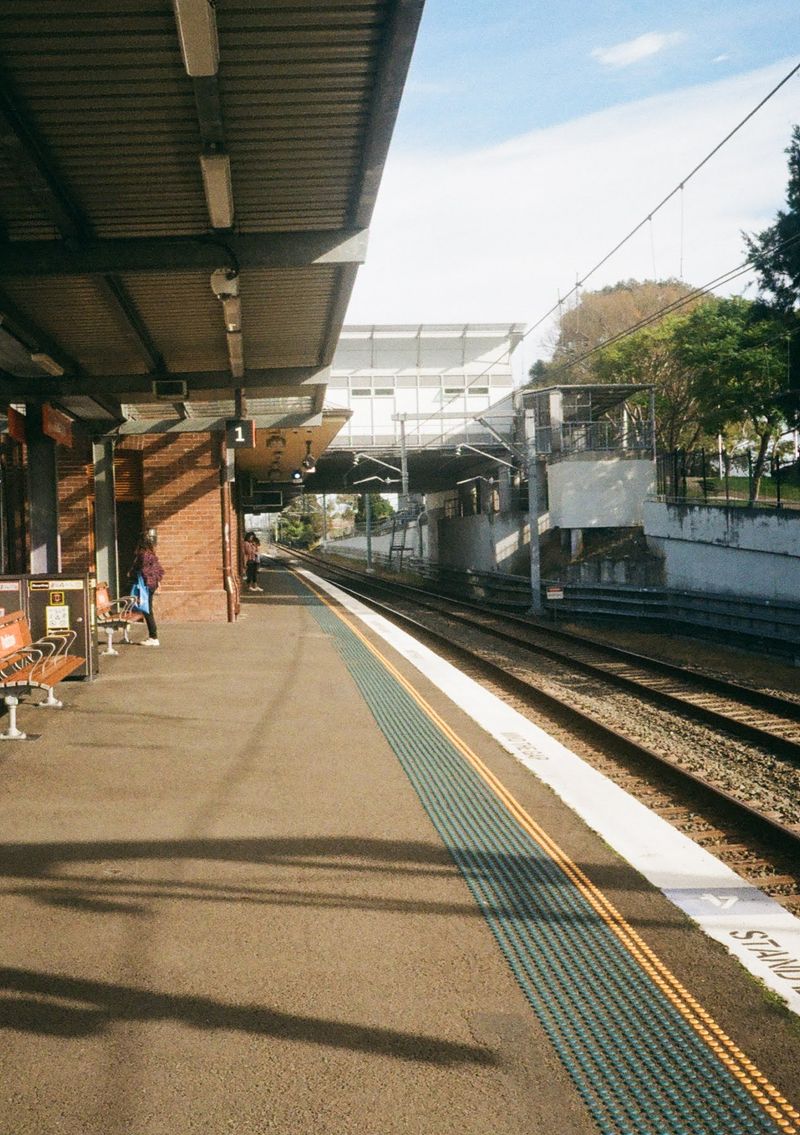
(240, 433)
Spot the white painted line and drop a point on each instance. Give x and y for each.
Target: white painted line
(754, 928)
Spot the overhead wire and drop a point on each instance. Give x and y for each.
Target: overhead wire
(680, 186)
(674, 305)
(726, 277)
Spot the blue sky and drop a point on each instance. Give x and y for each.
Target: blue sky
(531, 137)
(483, 71)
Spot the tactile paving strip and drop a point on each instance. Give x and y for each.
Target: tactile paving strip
(643, 1062)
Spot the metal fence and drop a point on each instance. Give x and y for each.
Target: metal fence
(716, 477)
(595, 437)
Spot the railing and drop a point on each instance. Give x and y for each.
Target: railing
(593, 437)
(708, 477)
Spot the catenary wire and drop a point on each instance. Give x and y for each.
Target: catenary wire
(681, 184)
(724, 278)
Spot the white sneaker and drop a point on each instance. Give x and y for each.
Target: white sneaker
(151, 642)
(257, 588)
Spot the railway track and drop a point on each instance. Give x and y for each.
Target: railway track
(510, 653)
(753, 715)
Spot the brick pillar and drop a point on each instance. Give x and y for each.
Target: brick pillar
(182, 502)
(76, 507)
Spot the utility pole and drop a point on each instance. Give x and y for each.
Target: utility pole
(368, 515)
(403, 463)
(533, 512)
(324, 523)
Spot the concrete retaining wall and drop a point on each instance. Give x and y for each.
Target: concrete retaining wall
(496, 542)
(585, 492)
(720, 550)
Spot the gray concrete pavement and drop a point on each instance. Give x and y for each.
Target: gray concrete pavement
(224, 910)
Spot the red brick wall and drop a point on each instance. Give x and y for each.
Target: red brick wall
(183, 502)
(75, 507)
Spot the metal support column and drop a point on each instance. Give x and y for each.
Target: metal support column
(368, 516)
(534, 497)
(42, 494)
(403, 463)
(105, 515)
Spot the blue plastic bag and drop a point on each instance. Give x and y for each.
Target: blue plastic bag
(141, 596)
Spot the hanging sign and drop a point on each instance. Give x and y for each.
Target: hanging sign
(16, 425)
(57, 425)
(240, 433)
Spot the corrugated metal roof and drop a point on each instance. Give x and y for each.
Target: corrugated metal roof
(101, 131)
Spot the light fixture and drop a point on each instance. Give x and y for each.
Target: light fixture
(236, 353)
(309, 462)
(170, 389)
(197, 31)
(232, 310)
(46, 363)
(296, 475)
(377, 460)
(216, 171)
(489, 456)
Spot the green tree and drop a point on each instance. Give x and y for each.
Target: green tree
(301, 521)
(776, 251)
(737, 358)
(648, 356)
(600, 316)
(379, 507)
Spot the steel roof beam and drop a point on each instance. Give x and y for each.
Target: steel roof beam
(181, 254)
(32, 167)
(128, 317)
(346, 278)
(209, 112)
(139, 387)
(395, 57)
(29, 333)
(25, 157)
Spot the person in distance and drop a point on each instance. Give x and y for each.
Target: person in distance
(252, 558)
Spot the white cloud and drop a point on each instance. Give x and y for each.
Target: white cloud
(495, 234)
(720, 58)
(633, 50)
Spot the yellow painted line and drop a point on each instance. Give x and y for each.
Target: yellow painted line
(738, 1064)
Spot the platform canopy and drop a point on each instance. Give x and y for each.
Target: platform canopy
(185, 190)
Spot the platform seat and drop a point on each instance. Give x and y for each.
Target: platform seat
(27, 665)
(114, 615)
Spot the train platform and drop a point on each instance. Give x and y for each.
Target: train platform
(296, 874)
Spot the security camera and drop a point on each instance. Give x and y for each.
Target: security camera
(225, 283)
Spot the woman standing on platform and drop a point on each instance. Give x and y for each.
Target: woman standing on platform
(252, 558)
(147, 564)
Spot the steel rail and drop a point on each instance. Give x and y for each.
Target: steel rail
(777, 744)
(778, 834)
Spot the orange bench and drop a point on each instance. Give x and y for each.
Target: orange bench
(114, 615)
(26, 665)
